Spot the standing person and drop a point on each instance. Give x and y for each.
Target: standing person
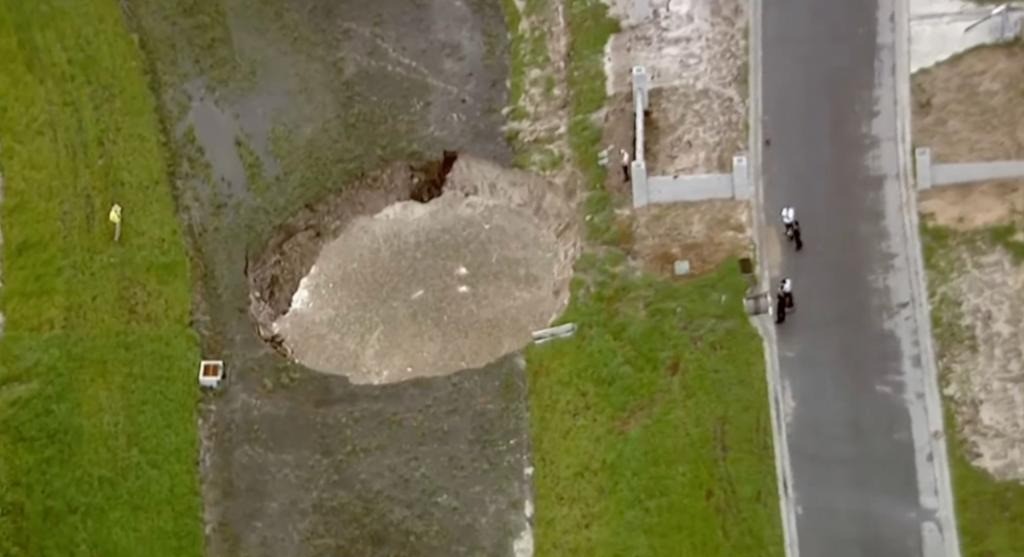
(780, 308)
(788, 220)
(792, 227)
(786, 291)
(625, 164)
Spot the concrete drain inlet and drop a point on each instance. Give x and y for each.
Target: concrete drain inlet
(450, 269)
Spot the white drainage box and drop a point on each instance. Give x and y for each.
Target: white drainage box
(211, 373)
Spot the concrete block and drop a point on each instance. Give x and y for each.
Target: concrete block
(641, 85)
(211, 373)
(923, 168)
(741, 184)
(638, 177)
(681, 267)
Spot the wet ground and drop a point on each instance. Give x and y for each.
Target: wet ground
(271, 106)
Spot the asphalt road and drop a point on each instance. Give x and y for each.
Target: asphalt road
(851, 363)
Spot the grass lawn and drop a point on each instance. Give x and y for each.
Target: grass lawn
(990, 513)
(98, 442)
(650, 428)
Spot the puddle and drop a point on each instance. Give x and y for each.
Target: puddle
(216, 132)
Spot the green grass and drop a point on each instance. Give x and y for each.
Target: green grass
(98, 441)
(253, 166)
(650, 427)
(589, 28)
(211, 50)
(990, 513)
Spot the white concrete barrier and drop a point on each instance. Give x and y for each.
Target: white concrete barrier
(930, 174)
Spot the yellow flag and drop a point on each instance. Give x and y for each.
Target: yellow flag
(115, 214)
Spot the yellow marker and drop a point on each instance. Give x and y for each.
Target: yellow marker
(115, 217)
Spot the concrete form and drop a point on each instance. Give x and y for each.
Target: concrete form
(931, 174)
(671, 189)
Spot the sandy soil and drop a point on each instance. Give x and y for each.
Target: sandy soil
(430, 289)
(974, 206)
(968, 109)
(985, 382)
(668, 233)
(695, 53)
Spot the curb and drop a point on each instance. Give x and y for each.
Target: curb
(783, 471)
(945, 513)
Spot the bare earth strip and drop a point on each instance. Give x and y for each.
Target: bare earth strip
(968, 109)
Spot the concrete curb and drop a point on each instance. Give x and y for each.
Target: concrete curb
(919, 291)
(776, 397)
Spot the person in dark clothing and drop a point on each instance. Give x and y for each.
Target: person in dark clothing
(780, 308)
(796, 235)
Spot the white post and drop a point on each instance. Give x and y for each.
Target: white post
(923, 168)
(638, 177)
(741, 188)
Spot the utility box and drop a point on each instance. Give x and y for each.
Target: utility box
(211, 373)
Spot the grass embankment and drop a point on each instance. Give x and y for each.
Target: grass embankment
(650, 428)
(990, 513)
(98, 439)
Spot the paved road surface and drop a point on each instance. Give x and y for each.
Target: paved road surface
(850, 359)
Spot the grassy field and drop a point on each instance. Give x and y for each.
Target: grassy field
(650, 428)
(990, 513)
(98, 440)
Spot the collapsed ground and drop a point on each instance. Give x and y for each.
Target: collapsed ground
(441, 280)
(273, 105)
(967, 109)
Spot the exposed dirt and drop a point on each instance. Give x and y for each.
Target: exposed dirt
(985, 379)
(665, 234)
(974, 206)
(273, 105)
(429, 289)
(695, 53)
(539, 120)
(968, 109)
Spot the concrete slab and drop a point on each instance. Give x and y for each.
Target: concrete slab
(672, 189)
(938, 29)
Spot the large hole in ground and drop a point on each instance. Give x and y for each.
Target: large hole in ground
(417, 271)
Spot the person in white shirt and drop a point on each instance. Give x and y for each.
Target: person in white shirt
(786, 288)
(792, 227)
(625, 164)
